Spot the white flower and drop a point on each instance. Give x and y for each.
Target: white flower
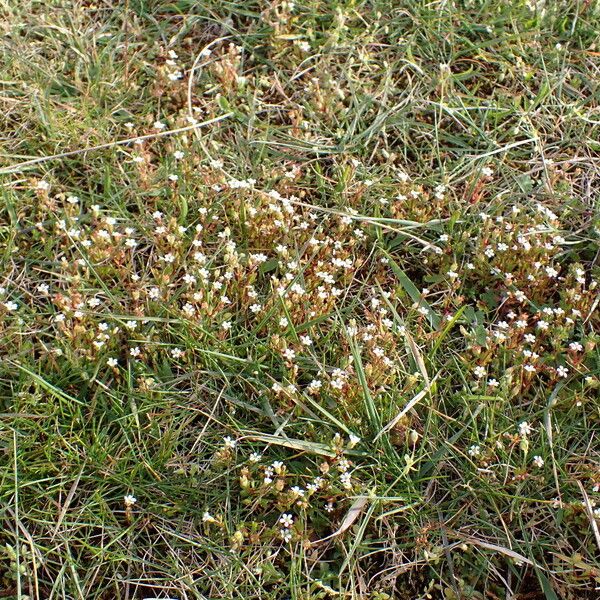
(562, 371)
(479, 371)
(353, 441)
(177, 353)
(208, 518)
(159, 125)
(255, 457)
(135, 352)
(229, 442)
(286, 520)
(226, 325)
(43, 185)
(524, 428)
(129, 500)
(178, 154)
(474, 450)
(314, 385)
(173, 177)
(493, 383)
(538, 461)
(112, 362)
(286, 535)
(10, 305)
(305, 339)
(575, 347)
(541, 324)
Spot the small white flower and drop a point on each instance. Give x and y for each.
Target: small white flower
(229, 442)
(562, 371)
(474, 450)
(298, 492)
(314, 385)
(525, 428)
(159, 125)
(353, 440)
(129, 500)
(208, 518)
(112, 362)
(286, 520)
(178, 154)
(135, 352)
(538, 461)
(479, 371)
(11, 306)
(286, 535)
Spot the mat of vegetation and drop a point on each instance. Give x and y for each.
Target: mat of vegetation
(299, 300)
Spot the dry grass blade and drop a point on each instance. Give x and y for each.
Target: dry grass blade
(418, 397)
(416, 353)
(42, 159)
(353, 513)
(589, 510)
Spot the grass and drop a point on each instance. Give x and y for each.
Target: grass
(299, 300)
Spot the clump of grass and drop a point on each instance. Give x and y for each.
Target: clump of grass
(299, 300)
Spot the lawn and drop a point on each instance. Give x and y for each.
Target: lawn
(299, 300)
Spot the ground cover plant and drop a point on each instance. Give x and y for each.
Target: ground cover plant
(299, 299)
